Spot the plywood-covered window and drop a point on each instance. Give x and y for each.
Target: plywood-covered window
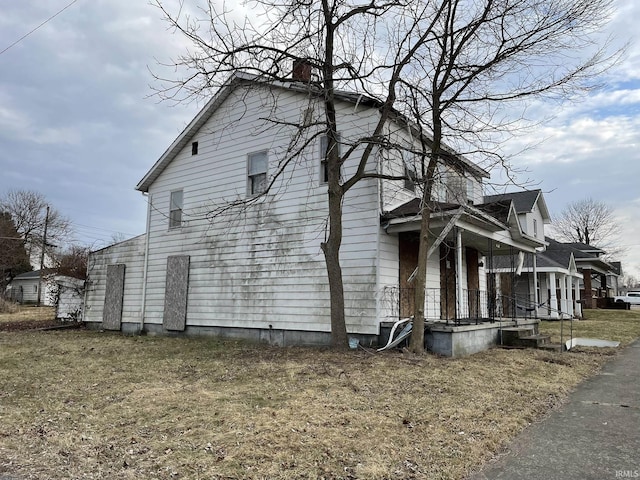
(175, 209)
(257, 165)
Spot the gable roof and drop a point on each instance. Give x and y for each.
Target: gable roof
(242, 78)
(586, 256)
(524, 201)
(28, 275)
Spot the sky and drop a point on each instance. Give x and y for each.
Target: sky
(79, 122)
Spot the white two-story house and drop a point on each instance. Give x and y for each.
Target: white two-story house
(218, 257)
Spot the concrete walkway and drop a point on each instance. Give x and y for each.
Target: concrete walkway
(596, 435)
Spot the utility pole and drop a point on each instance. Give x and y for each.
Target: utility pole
(44, 244)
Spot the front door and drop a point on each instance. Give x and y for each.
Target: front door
(408, 243)
(473, 282)
(447, 282)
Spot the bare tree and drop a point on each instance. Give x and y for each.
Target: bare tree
(591, 222)
(482, 58)
(13, 256)
(447, 67)
(73, 262)
(28, 210)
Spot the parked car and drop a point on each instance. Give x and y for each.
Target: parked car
(631, 297)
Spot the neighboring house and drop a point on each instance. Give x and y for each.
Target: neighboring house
(594, 269)
(548, 285)
(64, 292)
(544, 284)
(613, 279)
(24, 288)
(258, 272)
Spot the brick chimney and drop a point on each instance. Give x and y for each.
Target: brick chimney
(301, 70)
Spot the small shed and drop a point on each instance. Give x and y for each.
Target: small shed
(70, 298)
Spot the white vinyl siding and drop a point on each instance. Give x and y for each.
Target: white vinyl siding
(262, 266)
(131, 254)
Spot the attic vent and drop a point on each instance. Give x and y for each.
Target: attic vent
(194, 148)
(301, 70)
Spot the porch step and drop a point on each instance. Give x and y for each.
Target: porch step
(535, 341)
(525, 337)
(511, 336)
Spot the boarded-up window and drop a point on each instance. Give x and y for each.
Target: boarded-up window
(112, 311)
(175, 295)
(175, 209)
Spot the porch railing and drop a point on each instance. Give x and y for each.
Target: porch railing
(476, 305)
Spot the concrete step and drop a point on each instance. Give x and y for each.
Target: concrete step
(512, 335)
(524, 337)
(537, 340)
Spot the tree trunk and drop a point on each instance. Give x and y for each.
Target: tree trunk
(331, 250)
(416, 343)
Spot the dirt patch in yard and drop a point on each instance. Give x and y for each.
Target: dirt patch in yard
(28, 318)
(85, 404)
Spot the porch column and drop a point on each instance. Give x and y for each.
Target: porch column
(569, 283)
(587, 300)
(563, 295)
(536, 300)
(553, 298)
(459, 292)
(576, 286)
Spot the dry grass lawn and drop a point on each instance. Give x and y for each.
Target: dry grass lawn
(84, 404)
(618, 325)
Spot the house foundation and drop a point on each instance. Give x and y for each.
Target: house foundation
(444, 339)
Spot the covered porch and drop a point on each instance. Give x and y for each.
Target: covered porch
(465, 241)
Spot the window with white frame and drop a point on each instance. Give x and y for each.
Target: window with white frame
(175, 209)
(324, 165)
(257, 164)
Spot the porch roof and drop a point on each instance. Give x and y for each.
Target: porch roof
(480, 224)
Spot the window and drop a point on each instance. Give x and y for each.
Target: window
(409, 163)
(175, 209)
(257, 173)
(535, 227)
(471, 190)
(35, 289)
(324, 144)
(194, 148)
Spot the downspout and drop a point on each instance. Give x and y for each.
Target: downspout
(146, 261)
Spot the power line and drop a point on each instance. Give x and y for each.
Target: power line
(42, 24)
